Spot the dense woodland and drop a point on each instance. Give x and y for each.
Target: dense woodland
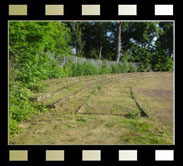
(30, 45)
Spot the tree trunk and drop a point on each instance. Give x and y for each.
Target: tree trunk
(118, 51)
(100, 50)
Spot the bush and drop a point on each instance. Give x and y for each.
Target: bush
(19, 103)
(124, 68)
(13, 126)
(79, 70)
(105, 69)
(168, 64)
(132, 67)
(83, 69)
(144, 67)
(162, 63)
(56, 72)
(116, 69)
(68, 69)
(91, 69)
(20, 107)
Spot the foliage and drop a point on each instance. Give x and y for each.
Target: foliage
(91, 69)
(125, 66)
(13, 127)
(132, 67)
(138, 41)
(86, 68)
(19, 106)
(145, 59)
(35, 87)
(105, 69)
(68, 69)
(162, 63)
(165, 39)
(28, 43)
(76, 35)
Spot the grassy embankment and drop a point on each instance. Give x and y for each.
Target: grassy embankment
(99, 109)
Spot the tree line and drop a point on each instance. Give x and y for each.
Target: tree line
(149, 43)
(152, 41)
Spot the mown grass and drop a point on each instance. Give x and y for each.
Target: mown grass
(156, 97)
(64, 126)
(90, 129)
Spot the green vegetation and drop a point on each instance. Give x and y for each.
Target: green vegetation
(84, 69)
(35, 47)
(28, 63)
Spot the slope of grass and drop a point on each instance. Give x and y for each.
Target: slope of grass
(103, 102)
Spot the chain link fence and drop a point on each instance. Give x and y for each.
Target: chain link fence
(74, 59)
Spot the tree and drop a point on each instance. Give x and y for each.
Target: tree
(162, 59)
(165, 40)
(118, 52)
(77, 37)
(29, 47)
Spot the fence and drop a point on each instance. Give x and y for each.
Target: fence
(74, 59)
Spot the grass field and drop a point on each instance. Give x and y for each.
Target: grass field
(101, 110)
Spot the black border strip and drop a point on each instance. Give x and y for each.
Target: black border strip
(146, 153)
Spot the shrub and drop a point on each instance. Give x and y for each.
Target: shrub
(91, 69)
(162, 63)
(116, 69)
(79, 69)
(105, 69)
(86, 68)
(132, 67)
(56, 72)
(168, 64)
(13, 126)
(124, 68)
(20, 107)
(19, 103)
(144, 67)
(68, 69)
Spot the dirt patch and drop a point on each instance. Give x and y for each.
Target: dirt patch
(157, 93)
